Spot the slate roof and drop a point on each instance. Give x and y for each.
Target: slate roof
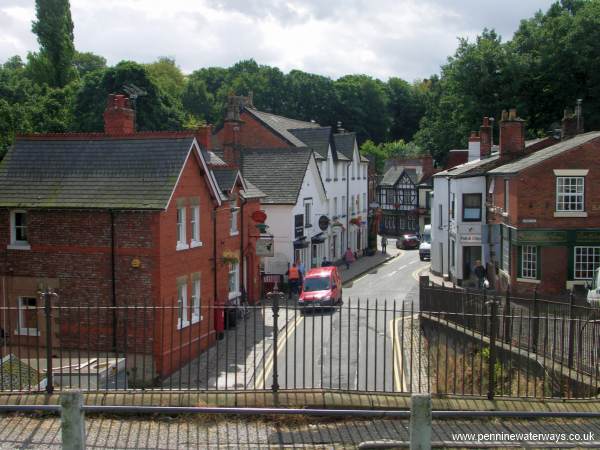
(545, 154)
(282, 125)
(92, 173)
(474, 168)
(344, 143)
(225, 178)
(316, 138)
(278, 172)
(393, 174)
(212, 159)
(252, 191)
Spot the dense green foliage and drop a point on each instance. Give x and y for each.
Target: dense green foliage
(552, 60)
(393, 149)
(54, 30)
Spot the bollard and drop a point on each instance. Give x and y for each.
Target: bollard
(72, 420)
(420, 422)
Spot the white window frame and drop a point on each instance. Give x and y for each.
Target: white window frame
(589, 258)
(335, 206)
(307, 213)
(196, 300)
(328, 168)
(529, 262)
(364, 196)
(181, 229)
(344, 206)
(21, 329)
(195, 222)
(563, 199)
(234, 269)
(233, 230)
(182, 306)
(506, 205)
(14, 243)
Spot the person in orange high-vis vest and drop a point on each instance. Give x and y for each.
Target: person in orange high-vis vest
(293, 275)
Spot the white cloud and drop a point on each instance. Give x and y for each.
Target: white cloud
(383, 38)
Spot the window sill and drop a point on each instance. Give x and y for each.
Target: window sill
(181, 325)
(18, 247)
(528, 280)
(308, 226)
(234, 233)
(195, 244)
(579, 282)
(181, 246)
(504, 214)
(27, 332)
(570, 214)
(196, 319)
(233, 295)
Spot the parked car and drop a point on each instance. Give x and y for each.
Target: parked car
(425, 246)
(408, 241)
(321, 287)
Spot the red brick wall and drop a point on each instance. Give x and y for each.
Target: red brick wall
(537, 188)
(254, 134)
(75, 248)
(173, 345)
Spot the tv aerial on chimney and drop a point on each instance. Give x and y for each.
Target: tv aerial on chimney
(134, 92)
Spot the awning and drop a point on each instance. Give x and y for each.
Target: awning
(318, 238)
(301, 242)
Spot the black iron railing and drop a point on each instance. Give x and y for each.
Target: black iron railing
(447, 342)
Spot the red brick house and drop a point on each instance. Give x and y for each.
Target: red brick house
(123, 219)
(546, 211)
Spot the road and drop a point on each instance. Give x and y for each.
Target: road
(355, 346)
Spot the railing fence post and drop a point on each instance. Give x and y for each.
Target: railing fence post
(72, 420)
(492, 358)
(420, 422)
(47, 295)
(571, 329)
(536, 321)
(507, 317)
(276, 297)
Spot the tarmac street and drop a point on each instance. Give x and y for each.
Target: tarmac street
(358, 345)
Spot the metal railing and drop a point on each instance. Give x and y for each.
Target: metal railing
(454, 342)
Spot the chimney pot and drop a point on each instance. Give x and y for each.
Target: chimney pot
(512, 134)
(119, 118)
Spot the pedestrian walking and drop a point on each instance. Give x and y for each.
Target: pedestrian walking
(384, 245)
(480, 274)
(349, 258)
(293, 275)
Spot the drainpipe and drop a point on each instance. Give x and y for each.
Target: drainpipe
(449, 246)
(215, 210)
(113, 278)
(242, 259)
(347, 209)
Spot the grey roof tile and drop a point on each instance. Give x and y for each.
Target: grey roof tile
(545, 154)
(92, 173)
(281, 125)
(278, 172)
(252, 191)
(225, 177)
(344, 144)
(316, 138)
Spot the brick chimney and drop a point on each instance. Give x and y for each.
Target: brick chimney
(572, 123)
(485, 137)
(119, 117)
(512, 134)
(427, 165)
(474, 146)
(231, 142)
(204, 136)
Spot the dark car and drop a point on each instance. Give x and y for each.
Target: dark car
(408, 241)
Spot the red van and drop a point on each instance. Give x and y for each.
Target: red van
(321, 287)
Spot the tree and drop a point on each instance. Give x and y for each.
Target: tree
(362, 106)
(154, 111)
(54, 30)
(86, 62)
(167, 76)
(407, 106)
(310, 97)
(196, 99)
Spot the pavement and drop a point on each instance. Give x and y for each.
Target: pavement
(227, 432)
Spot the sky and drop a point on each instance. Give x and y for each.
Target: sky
(409, 39)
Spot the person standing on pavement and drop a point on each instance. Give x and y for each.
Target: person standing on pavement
(293, 275)
(302, 271)
(348, 258)
(384, 245)
(325, 263)
(479, 273)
